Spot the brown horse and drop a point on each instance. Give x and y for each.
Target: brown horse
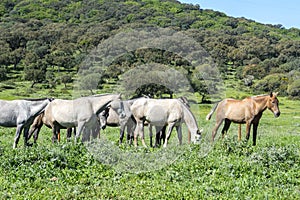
(247, 111)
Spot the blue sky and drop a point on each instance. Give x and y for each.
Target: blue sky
(284, 12)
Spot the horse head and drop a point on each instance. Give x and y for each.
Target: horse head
(102, 117)
(198, 135)
(272, 104)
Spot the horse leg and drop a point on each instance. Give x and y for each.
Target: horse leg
(254, 133)
(226, 127)
(36, 134)
(215, 130)
(80, 129)
(69, 134)
(130, 130)
(129, 135)
(163, 135)
(32, 131)
(179, 134)
(55, 131)
(248, 127)
(25, 135)
(138, 131)
(170, 128)
(151, 135)
(143, 138)
(240, 132)
(17, 137)
(158, 135)
(58, 135)
(74, 130)
(86, 133)
(122, 130)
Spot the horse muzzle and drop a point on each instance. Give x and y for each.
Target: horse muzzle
(198, 135)
(276, 114)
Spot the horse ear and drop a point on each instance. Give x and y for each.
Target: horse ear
(276, 93)
(271, 94)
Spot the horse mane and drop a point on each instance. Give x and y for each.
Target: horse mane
(259, 98)
(39, 99)
(99, 95)
(185, 101)
(261, 95)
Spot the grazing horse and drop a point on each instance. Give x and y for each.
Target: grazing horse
(20, 114)
(81, 113)
(119, 114)
(247, 111)
(162, 112)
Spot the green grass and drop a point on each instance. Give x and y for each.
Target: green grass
(228, 170)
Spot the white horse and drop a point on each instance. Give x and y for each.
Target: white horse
(81, 113)
(162, 112)
(20, 114)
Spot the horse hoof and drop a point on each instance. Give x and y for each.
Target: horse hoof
(29, 144)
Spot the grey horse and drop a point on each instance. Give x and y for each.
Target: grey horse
(20, 114)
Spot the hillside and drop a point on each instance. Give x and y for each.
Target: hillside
(44, 42)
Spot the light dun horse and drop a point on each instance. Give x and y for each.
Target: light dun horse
(247, 111)
(119, 114)
(20, 114)
(38, 123)
(81, 113)
(162, 112)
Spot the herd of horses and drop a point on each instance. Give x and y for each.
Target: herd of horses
(88, 115)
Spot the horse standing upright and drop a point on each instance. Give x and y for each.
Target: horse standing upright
(247, 111)
(162, 112)
(20, 114)
(41, 120)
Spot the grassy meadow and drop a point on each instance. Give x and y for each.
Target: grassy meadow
(226, 169)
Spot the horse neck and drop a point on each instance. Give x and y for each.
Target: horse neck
(99, 102)
(37, 107)
(261, 103)
(189, 119)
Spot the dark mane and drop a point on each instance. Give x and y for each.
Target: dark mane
(40, 99)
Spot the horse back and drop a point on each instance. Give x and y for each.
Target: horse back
(235, 110)
(10, 113)
(157, 111)
(65, 112)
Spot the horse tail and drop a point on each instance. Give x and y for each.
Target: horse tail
(212, 111)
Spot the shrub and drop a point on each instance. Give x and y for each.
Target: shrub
(273, 82)
(294, 89)
(3, 74)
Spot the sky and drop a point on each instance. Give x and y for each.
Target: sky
(284, 12)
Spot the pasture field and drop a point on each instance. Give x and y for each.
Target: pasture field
(227, 170)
